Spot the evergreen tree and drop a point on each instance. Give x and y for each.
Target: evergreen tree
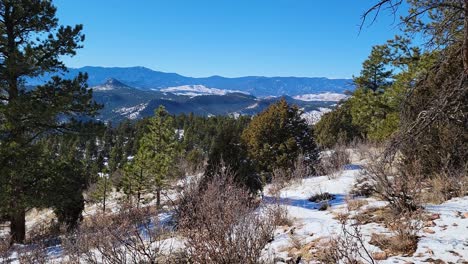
(102, 188)
(277, 136)
(136, 181)
(31, 44)
(228, 150)
(336, 127)
(157, 149)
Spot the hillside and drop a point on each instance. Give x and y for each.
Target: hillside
(122, 101)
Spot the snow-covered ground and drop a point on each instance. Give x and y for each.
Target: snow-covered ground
(328, 96)
(197, 90)
(446, 241)
(131, 112)
(449, 242)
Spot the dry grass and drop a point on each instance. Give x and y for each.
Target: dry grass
(445, 186)
(356, 204)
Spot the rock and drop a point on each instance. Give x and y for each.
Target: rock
(455, 224)
(428, 231)
(435, 216)
(379, 256)
(429, 223)
(434, 261)
(278, 259)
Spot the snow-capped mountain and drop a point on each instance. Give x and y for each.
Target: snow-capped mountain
(122, 101)
(197, 90)
(146, 79)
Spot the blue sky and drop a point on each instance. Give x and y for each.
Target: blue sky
(230, 38)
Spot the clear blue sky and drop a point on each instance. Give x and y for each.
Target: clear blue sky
(231, 38)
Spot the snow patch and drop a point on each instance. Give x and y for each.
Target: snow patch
(328, 96)
(131, 112)
(197, 90)
(312, 117)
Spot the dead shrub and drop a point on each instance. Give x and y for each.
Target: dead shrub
(347, 246)
(397, 183)
(320, 197)
(130, 236)
(220, 224)
(278, 215)
(281, 176)
(5, 248)
(362, 187)
(333, 163)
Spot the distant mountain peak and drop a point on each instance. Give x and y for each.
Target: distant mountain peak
(113, 82)
(110, 84)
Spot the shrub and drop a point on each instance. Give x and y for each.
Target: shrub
(334, 162)
(321, 197)
(130, 236)
(397, 183)
(220, 224)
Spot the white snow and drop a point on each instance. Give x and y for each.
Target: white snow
(131, 112)
(328, 96)
(197, 90)
(449, 242)
(312, 117)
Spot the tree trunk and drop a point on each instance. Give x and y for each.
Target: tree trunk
(18, 226)
(158, 197)
(465, 40)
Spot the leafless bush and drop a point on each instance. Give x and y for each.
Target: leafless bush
(348, 246)
(33, 253)
(220, 223)
(5, 248)
(131, 236)
(332, 164)
(281, 176)
(398, 184)
(363, 186)
(278, 214)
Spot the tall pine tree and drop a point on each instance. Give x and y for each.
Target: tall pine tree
(31, 44)
(157, 150)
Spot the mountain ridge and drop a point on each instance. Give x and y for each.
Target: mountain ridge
(145, 79)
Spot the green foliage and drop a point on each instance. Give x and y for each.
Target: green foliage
(155, 157)
(336, 127)
(375, 74)
(136, 181)
(228, 152)
(32, 44)
(277, 136)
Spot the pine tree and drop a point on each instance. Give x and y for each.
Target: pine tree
(31, 44)
(102, 188)
(157, 149)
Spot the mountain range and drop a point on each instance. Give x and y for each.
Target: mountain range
(134, 92)
(122, 101)
(146, 79)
